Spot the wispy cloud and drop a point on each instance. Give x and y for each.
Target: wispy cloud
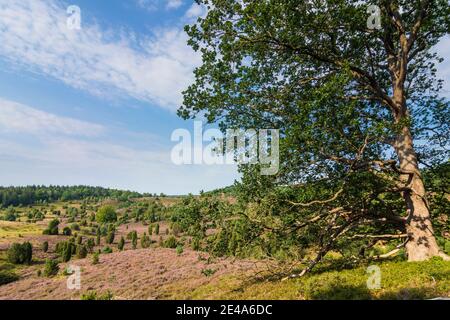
(156, 69)
(15, 117)
(153, 5)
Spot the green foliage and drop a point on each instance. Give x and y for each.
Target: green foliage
(90, 244)
(45, 246)
(134, 239)
(67, 231)
(92, 295)
(109, 239)
(171, 242)
(106, 214)
(180, 250)
(7, 277)
(10, 215)
(208, 272)
(157, 229)
(51, 268)
(107, 250)
(145, 241)
(15, 196)
(95, 258)
(282, 65)
(81, 251)
(121, 244)
(65, 250)
(52, 228)
(20, 253)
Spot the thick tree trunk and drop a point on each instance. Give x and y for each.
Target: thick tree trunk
(422, 244)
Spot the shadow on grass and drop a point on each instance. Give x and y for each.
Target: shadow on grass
(350, 292)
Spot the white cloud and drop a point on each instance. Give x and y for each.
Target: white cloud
(196, 11)
(37, 147)
(34, 35)
(153, 5)
(174, 4)
(15, 117)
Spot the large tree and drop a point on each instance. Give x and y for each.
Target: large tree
(357, 107)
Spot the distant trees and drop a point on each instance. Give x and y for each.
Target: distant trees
(14, 196)
(106, 214)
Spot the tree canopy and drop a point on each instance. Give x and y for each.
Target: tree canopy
(358, 109)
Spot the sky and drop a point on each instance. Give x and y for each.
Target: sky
(97, 106)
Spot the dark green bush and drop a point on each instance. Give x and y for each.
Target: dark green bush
(52, 228)
(20, 253)
(67, 231)
(7, 277)
(51, 268)
(81, 252)
(121, 244)
(107, 250)
(45, 246)
(170, 242)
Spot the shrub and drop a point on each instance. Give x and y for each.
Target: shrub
(106, 214)
(157, 229)
(75, 227)
(81, 252)
(90, 244)
(52, 228)
(67, 231)
(97, 242)
(134, 239)
(170, 242)
(447, 247)
(7, 277)
(92, 295)
(20, 253)
(65, 249)
(110, 237)
(145, 241)
(196, 244)
(121, 244)
(51, 268)
(150, 229)
(79, 239)
(95, 258)
(179, 250)
(208, 272)
(10, 216)
(45, 246)
(176, 229)
(107, 250)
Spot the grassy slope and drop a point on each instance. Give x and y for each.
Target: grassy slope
(399, 280)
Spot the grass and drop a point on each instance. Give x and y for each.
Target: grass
(399, 280)
(11, 230)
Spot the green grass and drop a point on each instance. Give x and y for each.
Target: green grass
(399, 280)
(12, 230)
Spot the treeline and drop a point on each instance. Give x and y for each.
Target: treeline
(15, 196)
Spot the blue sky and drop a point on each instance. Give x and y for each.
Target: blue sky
(97, 106)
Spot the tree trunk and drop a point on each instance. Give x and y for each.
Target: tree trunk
(422, 244)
